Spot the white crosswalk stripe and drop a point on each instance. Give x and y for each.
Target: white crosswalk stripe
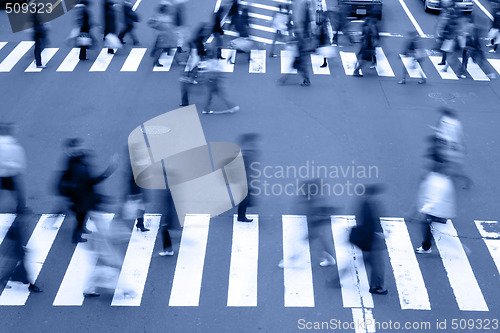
(287, 58)
(257, 61)
(189, 268)
(244, 271)
(490, 231)
(133, 60)
(136, 264)
(297, 269)
(463, 282)
(11, 60)
(412, 67)
(448, 75)
(166, 60)
(316, 62)
(495, 63)
(2, 44)
(352, 273)
(409, 281)
(383, 67)
(38, 248)
(242, 289)
(349, 60)
(475, 71)
(46, 55)
(102, 61)
(69, 63)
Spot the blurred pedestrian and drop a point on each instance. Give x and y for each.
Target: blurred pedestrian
(179, 13)
(16, 270)
(84, 39)
(449, 36)
(370, 237)
(413, 50)
(367, 50)
(109, 21)
(78, 184)
(218, 32)
(436, 202)
(134, 201)
(233, 14)
(279, 24)
(340, 15)
(165, 39)
(167, 220)
(129, 19)
(213, 79)
(494, 32)
(301, 61)
(40, 37)
(324, 39)
(249, 151)
(12, 165)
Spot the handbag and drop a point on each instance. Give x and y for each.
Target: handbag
(83, 39)
(132, 207)
(111, 41)
(361, 238)
(329, 51)
(448, 45)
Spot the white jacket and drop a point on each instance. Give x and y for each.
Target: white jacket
(12, 157)
(436, 196)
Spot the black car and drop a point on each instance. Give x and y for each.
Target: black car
(362, 8)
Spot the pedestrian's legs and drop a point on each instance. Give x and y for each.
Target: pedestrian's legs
(184, 93)
(167, 242)
(210, 94)
(277, 36)
(80, 225)
(426, 229)
(377, 263)
(83, 53)
(223, 97)
(218, 45)
(38, 53)
(18, 186)
(127, 29)
(242, 209)
(443, 58)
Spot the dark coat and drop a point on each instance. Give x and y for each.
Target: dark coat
(218, 23)
(129, 16)
(83, 18)
(368, 220)
(109, 18)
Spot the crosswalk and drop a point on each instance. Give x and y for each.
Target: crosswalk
(244, 275)
(134, 60)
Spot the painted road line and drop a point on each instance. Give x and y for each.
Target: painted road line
(463, 282)
(349, 60)
(242, 290)
(299, 291)
(496, 64)
(224, 65)
(363, 319)
(257, 61)
(316, 62)
(135, 266)
(188, 274)
(102, 62)
(412, 19)
(69, 63)
(254, 38)
(287, 58)
(490, 231)
(485, 11)
(352, 273)
(383, 67)
(17, 53)
(288, 2)
(166, 60)
(79, 270)
(5, 223)
(409, 281)
(260, 16)
(2, 44)
(37, 249)
(448, 75)
(412, 67)
(136, 4)
(133, 60)
(217, 6)
(46, 55)
(475, 71)
(258, 5)
(262, 28)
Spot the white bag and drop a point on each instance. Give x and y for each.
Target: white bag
(111, 41)
(328, 51)
(448, 45)
(132, 207)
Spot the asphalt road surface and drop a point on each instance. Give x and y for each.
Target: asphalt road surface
(224, 276)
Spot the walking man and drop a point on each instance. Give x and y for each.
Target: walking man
(129, 18)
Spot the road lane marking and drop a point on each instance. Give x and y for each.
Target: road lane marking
(287, 58)
(316, 62)
(363, 316)
(485, 11)
(102, 62)
(383, 67)
(166, 60)
(133, 60)
(136, 4)
(135, 266)
(257, 61)
(299, 291)
(352, 273)
(188, 274)
(349, 60)
(495, 63)
(2, 44)
(463, 282)
(80, 268)
(46, 55)
(242, 289)
(37, 249)
(258, 5)
(491, 238)
(448, 75)
(474, 70)
(5, 223)
(412, 19)
(412, 66)
(254, 38)
(17, 53)
(260, 16)
(409, 281)
(69, 63)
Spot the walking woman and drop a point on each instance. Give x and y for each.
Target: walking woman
(165, 40)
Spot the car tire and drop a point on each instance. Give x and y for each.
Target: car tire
(426, 8)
